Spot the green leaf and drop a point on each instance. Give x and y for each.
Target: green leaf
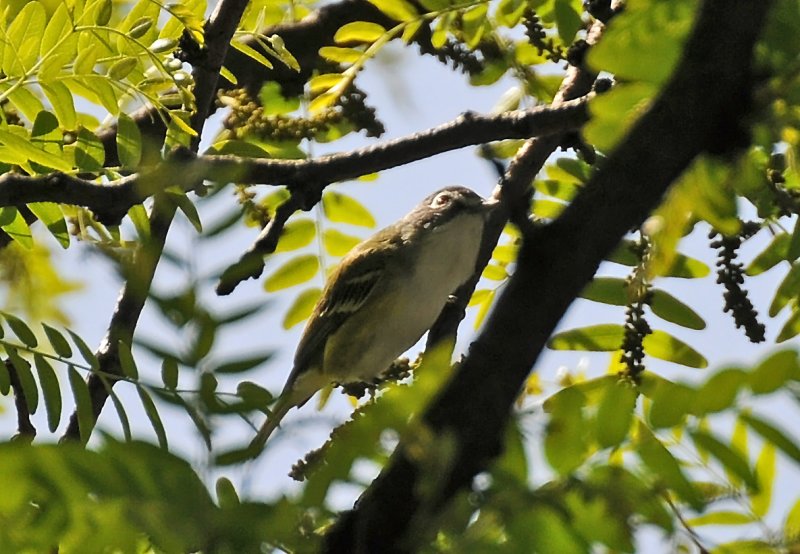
(301, 308)
(25, 376)
(671, 402)
(595, 338)
(226, 493)
(50, 214)
(83, 404)
(169, 372)
(765, 473)
(337, 243)
(243, 364)
(773, 434)
(669, 308)
(615, 413)
(273, 100)
(565, 444)
(662, 464)
(89, 152)
(57, 28)
(567, 19)
(188, 208)
(296, 234)
(51, 391)
(773, 373)
(732, 460)
(129, 141)
(297, 270)
(776, 252)
(606, 290)
(62, 101)
(399, 10)
(786, 291)
(721, 518)
(57, 341)
(791, 528)
(152, 414)
(85, 351)
(122, 68)
(791, 328)
(254, 396)
(123, 417)
(666, 347)
(29, 151)
(359, 31)
(126, 362)
(12, 222)
(654, 31)
(138, 216)
(719, 392)
(21, 329)
(23, 38)
(793, 250)
(252, 53)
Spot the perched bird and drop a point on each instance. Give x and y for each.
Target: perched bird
(383, 296)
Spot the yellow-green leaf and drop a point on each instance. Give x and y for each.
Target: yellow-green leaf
(12, 222)
(662, 464)
(765, 473)
(720, 518)
(296, 234)
(337, 243)
(152, 414)
(774, 372)
(21, 329)
(251, 52)
(666, 347)
(340, 55)
(126, 361)
(297, 270)
(129, 141)
(25, 377)
(667, 307)
(57, 341)
(50, 214)
(399, 10)
(615, 413)
(341, 208)
(301, 308)
(359, 31)
(732, 460)
(773, 435)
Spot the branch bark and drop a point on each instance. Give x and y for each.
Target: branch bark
(707, 94)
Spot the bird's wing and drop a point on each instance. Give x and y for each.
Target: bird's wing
(348, 288)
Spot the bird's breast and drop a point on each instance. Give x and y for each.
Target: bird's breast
(443, 261)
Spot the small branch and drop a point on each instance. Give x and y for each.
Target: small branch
(25, 428)
(108, 202)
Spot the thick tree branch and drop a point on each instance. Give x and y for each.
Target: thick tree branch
(219, 31)
(111, 201)
(706, 97)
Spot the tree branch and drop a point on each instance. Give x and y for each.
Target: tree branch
(706, 96)
(24, 426)
(308, 178)
(219, 31)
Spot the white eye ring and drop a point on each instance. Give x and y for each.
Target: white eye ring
(442, 200)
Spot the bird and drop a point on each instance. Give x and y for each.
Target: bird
(383, 296)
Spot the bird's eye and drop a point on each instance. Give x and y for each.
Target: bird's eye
(442, 200)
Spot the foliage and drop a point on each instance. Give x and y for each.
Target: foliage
(632, 450)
